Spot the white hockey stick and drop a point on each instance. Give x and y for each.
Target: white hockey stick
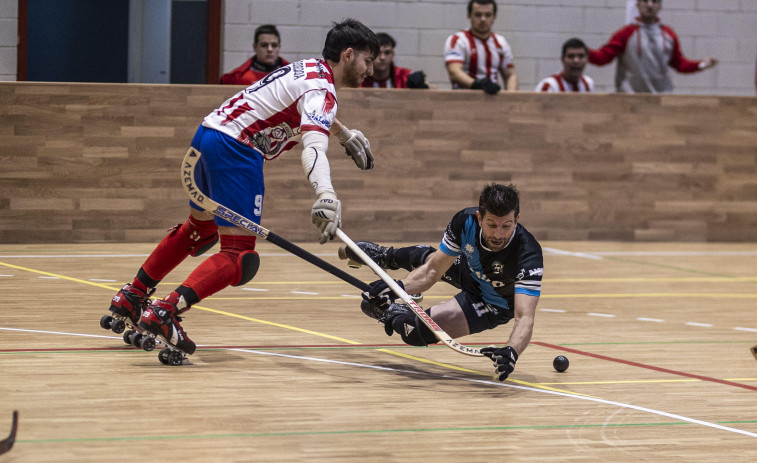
(440, 334)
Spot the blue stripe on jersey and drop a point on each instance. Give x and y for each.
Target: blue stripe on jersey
(528, 292)
(445, 249)
(468, 242)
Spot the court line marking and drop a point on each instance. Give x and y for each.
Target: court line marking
(645, 366)
(520, 387)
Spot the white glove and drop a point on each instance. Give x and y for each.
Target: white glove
(327, 215)
(357, 146)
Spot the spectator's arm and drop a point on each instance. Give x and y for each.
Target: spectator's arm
(613, 48)
(457, 75)
(509, 78)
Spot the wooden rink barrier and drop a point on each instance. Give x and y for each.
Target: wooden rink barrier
(100, 162)
(646, 207)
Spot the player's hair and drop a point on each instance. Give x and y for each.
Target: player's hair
(266, 29)
(499, 199)
(574, 43)
(349, 33)
(481, 2)
(386, 39)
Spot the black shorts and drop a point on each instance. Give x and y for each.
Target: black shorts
(481, 316)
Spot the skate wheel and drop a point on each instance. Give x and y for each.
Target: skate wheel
(163, 356)
(127, 336)
(105, 322)
(147, 343)
(175, 358)
(118, 326)
(135, 339)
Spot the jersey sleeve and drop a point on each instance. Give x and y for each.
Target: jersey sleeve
(454, 50)
(532, 268)
(507, 61)
(545, 86)
(613, 48)
(317, 110)
(451, 242)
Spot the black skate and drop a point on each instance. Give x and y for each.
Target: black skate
(161, 321)
(126, 308)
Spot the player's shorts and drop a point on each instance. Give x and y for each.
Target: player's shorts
(230, 173)
(481, 316)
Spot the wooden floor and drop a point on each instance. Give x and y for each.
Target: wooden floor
(290, 370)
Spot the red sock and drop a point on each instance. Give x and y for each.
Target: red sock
(220, 270)
(175, 247)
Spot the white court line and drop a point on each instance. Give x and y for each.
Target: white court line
(95, 256)
(351, 295)
(254, 289)
(741, 328)
(304, 292)
(103, 280)
(514, 386)
(704, 325)
(414, 372)
(48, 278)
(676, 253)
(553, 310)
(6, 275)
(61, 333)
(656, 320)
(606, 315)
(574, 254)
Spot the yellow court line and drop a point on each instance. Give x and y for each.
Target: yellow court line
(62, 277)
(680, 295)
(654, 381)
(653, 280)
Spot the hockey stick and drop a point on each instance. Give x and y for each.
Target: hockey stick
(7, 443)
(754, 351)
(440, 334)
(202, 200)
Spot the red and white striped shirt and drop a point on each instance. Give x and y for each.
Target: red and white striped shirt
(480, 58)
(271, 114)
(557, 83)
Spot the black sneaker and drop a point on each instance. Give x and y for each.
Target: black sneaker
(383, 256)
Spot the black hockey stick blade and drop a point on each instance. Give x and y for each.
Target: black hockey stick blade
(7, 443)
(754, 351)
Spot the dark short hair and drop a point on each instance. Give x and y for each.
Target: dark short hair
(499, 200)
(574, 43)
(386, 39)
(481, 2)
(266, 29)
(349, 33)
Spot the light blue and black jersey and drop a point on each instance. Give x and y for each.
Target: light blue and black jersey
(493, 276)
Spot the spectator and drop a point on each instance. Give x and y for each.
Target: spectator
(474, 56)
(645, 49)
(386, 74)
(575, 55)
(267, 45)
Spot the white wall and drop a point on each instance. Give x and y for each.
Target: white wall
(8, 39)
(536, 29)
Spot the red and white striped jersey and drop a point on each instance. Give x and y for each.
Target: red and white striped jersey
(480, 58)
(557, 83)
(271, 114)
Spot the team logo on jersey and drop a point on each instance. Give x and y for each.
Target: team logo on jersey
(521, 275)
(469, 249)
(497, 268)
(537, 271)
(272, 139)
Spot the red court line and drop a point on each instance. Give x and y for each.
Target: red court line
(643, 365)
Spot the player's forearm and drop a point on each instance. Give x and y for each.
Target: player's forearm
(521, 335)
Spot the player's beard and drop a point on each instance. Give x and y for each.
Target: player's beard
(352, 77)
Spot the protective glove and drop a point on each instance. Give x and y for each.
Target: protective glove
(327, 215)
(486, 85)
(380, 294)
(357, 146)
(504, 359)
(417, 80)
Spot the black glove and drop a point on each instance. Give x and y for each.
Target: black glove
(417, 80)
(486, 85)
(504, 359)
(380, 294)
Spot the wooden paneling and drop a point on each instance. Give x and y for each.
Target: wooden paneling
(99, 162)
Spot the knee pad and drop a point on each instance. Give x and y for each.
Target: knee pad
(199, 235)
(241, 250)
(248, 263)
(410, 328)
